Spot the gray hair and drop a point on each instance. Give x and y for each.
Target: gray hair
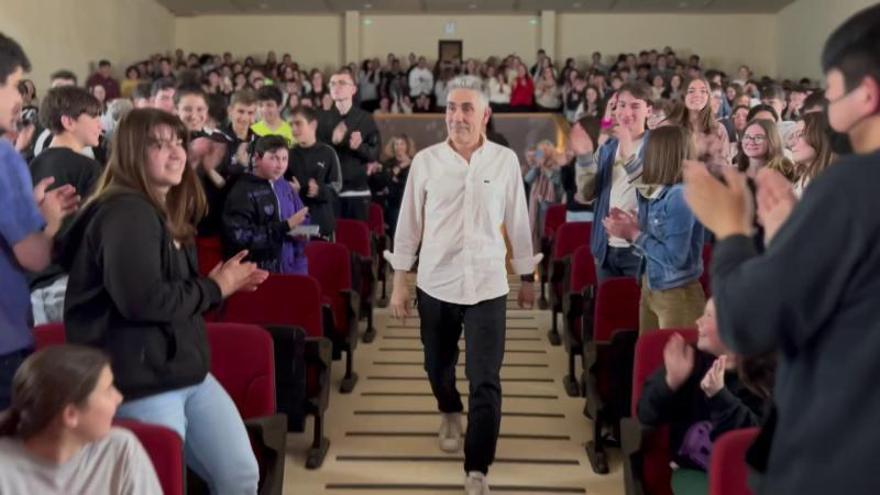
(470, 84)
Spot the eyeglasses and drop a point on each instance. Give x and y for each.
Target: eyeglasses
(757, 139)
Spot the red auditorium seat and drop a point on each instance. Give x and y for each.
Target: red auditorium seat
(616, 318)
(49, 334)
(646, 450)
(578, 301)
(569, 236)
(553, 218)
(355, 235)
(210, 252)
(165, 449)
(728, 472)
(243, 361)
(282, 302)
(380, 243)
(330, 264)
(705, 278)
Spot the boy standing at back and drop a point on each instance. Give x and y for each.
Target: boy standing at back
(269, 100)
(314, 169)
(355, 137)
(72, 114)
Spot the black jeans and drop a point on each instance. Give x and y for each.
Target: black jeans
(619, 262)
(9, 363)
(355, 207)
(484, 326)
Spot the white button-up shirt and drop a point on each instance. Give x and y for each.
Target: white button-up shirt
(451, 218)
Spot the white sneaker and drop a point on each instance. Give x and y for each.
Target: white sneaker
(476, 484)
(450, 432)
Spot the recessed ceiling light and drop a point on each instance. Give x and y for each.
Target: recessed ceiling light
(368, 6)
(264, 5)
(577, 5)
(472, 6)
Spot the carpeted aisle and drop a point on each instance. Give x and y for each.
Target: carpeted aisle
(383, 435)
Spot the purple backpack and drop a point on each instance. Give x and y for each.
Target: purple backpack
(696, 446)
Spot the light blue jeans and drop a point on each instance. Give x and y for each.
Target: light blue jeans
(578, 216)
(216, 444)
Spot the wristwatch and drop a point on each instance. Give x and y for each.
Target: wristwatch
(527, 278)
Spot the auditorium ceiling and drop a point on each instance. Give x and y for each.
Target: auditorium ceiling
(201, 7)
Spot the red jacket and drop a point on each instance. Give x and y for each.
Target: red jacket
(523, 92)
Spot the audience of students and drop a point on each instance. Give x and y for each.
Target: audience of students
(127, 260)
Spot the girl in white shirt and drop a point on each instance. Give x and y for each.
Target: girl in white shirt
(547, 93)
(499, 89)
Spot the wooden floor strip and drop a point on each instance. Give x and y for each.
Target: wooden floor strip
(410, 488)
(457, 459)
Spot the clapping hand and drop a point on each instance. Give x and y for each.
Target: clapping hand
(235, 275)
(776, 199)
(355, 141)
(725, 209)
(622, 224)
(56, 204)
(339, 132)
(678, 359)
(713, 382)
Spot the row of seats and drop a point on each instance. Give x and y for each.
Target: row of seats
(600, 326)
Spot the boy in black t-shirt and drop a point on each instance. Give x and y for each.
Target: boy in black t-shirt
(314, 168)
(241, 113)
(72, 114)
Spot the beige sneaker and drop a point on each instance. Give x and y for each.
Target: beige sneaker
(450, 432)
(476, 484)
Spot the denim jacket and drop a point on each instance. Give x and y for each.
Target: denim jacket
(602, 164)
(671, 240)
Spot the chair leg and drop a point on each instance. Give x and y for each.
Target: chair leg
(370, 333)
(384, 300)
(542, 302)
(570, 382)
(351, 378)
(596, 449)
(320, 445)
(553, 335)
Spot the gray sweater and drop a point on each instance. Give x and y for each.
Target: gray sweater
(116, 464)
